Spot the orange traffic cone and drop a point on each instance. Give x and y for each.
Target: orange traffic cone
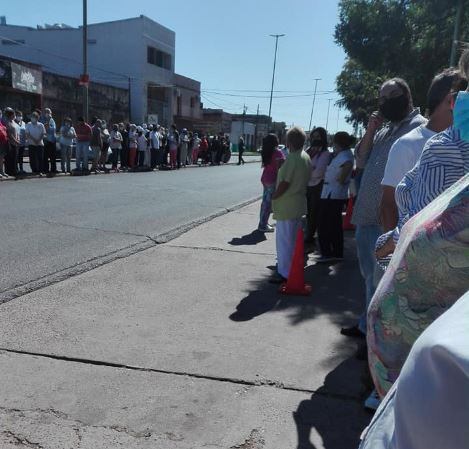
(347, 223)
(295, 284)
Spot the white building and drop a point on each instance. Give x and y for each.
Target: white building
(137, 53)
(245, 129)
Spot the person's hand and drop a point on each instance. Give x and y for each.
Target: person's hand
(386, 249)
(374, 122)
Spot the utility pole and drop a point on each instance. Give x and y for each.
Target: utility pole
(328, 109)
(314, 101)
(337, 124)
(130, 100)
(257, 125)
(273, 72)
(457, 33)
(85, 61)
(244, 118)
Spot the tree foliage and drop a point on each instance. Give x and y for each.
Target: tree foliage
(386, 38)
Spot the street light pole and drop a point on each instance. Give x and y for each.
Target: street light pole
(457, 32)
(273, 72)
(328, 109)
(314, 101)
(337, 124)
(85, 60)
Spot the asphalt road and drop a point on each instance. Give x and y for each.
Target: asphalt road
(53, 225)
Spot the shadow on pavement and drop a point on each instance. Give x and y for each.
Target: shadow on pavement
(338, 290)
(339, 421)
(253, 238)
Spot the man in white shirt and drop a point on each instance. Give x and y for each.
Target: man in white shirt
(155, 146)
(406, 151)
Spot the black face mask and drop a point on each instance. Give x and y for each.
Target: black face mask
(316, 143)
(395, 109)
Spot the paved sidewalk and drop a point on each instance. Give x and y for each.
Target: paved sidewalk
(185, 345)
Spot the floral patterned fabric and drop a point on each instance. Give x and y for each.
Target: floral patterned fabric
(428, 272)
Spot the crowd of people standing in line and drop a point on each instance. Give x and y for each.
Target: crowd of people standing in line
(124, 146)
(411, 218)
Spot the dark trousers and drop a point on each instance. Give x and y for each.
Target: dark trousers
(36, 158)
(313, 197)
(141, 158)
(115, 157)
(240, 158)
(50, 155)
(124, 157)
(331, 235)
(154, 157)
(179, 157)
(10, 160)
(20, 158)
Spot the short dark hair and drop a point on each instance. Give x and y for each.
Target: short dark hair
(442, 84)
(18, 112)
(404, 87)
(80, 119)
(68, 119)
(344, 139)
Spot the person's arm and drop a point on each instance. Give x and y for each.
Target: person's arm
(281, 189)
(345, 170)
(388, 209)
(363, 149)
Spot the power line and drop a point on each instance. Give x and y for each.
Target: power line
(268, 96)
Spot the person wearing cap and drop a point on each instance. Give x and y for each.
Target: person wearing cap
(49, 142)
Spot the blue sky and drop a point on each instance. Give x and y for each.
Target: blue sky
(226, 45)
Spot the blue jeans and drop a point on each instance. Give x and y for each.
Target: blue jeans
(82, 155)
(266, 206)
(366, 237)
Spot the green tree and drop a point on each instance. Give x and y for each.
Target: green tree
(386, 38)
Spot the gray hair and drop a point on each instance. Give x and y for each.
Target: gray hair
(464, 63)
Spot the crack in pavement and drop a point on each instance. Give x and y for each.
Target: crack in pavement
(64, 416)
(121, 253)
(215, 248)
(21, 440)
(91, 228)
(230, 380)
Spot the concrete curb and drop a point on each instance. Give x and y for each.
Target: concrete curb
(96, 262)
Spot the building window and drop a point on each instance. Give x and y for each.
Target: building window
(12, 42)
(92, 41)
(158, 58)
